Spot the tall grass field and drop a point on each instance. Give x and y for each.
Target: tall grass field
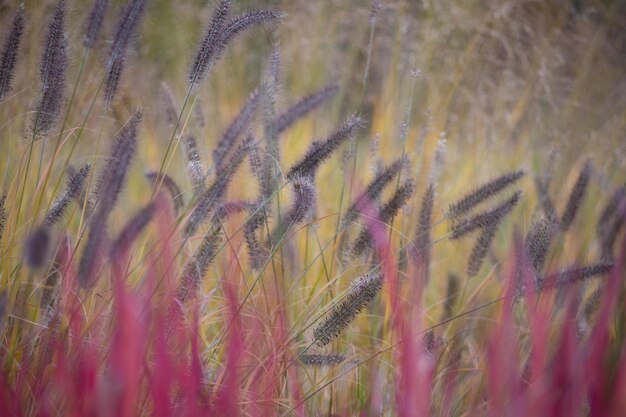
(313, 208)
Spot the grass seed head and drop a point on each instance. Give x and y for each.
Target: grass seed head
(483, 192)
(11, 47)
(362, 292)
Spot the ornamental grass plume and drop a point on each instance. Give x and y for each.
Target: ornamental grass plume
(127, 26)
(374, 188)
(259, 161)
(574, 274)
(611, 222)
(210, 44)
(10, 49)
(544, 198)
(195, 168)
(230, 208)
(452, 295)
(319, 151)
(485, 219)
(94, 22)
(610, 239)
(235, 129)
(321, 360)
(576, 196)
(538, 241)
(113, 175)
(52, 71)
(209, 199)
(362, 292)
(132, 230)
(246, 20)
(364, 241)
(108, 187)
(304, 106)
(73, 190)
(304, 202)
(168, 103)
(542, 185)
(479, 251)
(483, 192)
(172, 188)
(3, 309)
(3, 215)
(83, 200)
(36, 248)
(611, 209)
(52, 285)
(258, 218)
(421, 251)
(302, 208)
(488, 223)
(271, 88)
(219, 33)
(37, 245)
(196, 268)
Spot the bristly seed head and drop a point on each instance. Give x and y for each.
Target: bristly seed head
(195, 168)
(576, 196)
(36, 248)
(538, 242)
(257, 219)
(479, 251)
(421, 251)
(214, 193)
(362, 292)
(229, 208)
(617, 198)
(236, 128)
(304, 106)
(483, 192)
(11, 47)
(486, 218)
(170, 109)
(364, 241)
(125, 31)
(52, 72)
(305, 198)
(94, 22)
(172, 188)
(438, 159)
(574, 274)
(321, 360)
(374, 188)
(111, 179)
(319, 151)
(198, 265)
(127, 27)
(452, 294)
(131, 231)
(210, 45)
(73, 190)
(544, 198)
(3, 215)
(243, 22)
(108, 187)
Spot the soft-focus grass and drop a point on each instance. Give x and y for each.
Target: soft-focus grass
(505, 83)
